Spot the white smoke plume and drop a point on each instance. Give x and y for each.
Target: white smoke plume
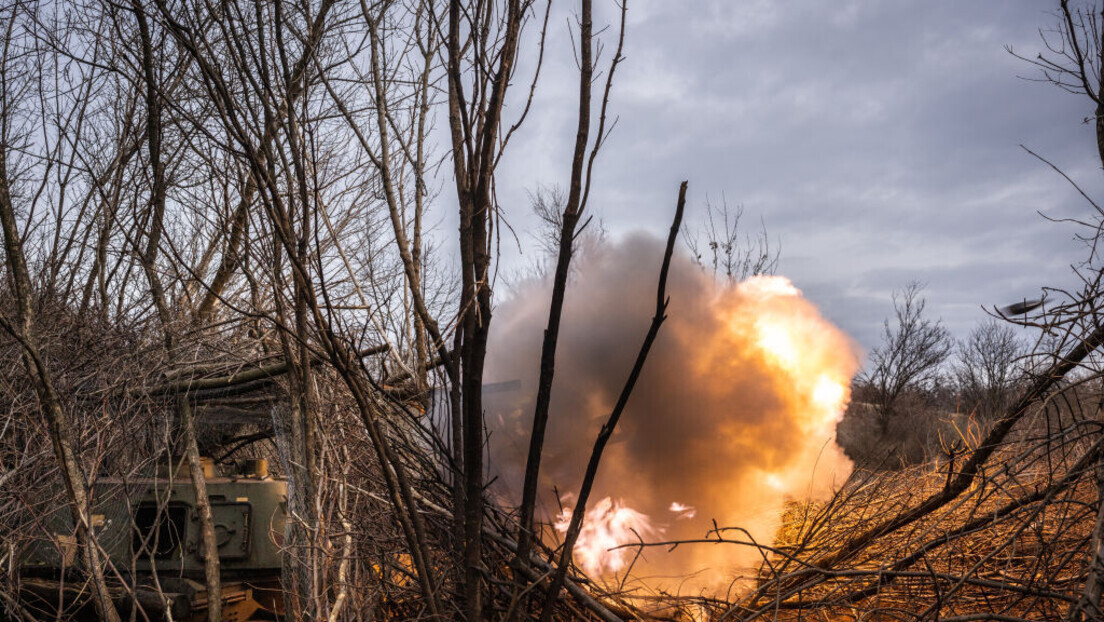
(734, 413)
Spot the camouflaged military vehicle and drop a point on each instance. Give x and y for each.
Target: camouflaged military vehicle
(150, 530)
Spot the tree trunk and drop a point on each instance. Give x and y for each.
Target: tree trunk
(211, 568)
(61, 435)
(148, 259)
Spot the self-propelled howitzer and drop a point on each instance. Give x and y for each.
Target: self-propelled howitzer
(150, 530)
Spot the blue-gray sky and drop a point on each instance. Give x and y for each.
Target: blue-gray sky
(878, 140)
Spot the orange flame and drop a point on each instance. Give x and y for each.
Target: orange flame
(734, 413)
(606, 526)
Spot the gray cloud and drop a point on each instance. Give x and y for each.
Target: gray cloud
(879, 141)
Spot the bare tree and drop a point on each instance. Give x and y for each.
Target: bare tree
(1074, 58)
(1073, 61)
(910, 357)
(582, 167)
(548, 204)
(724, 247)
(986, 367)
(20, 53)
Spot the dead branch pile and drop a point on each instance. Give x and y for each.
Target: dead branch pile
(1015, 545)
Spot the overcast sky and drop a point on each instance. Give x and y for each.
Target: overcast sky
(878, 140)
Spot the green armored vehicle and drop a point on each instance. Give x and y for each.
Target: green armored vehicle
(150, 530)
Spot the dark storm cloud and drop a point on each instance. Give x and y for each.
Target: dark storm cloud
(878, 140)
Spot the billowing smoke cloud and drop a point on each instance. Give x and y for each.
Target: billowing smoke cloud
(734, 413)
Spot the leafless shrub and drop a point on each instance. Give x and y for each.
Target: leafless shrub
(727, 249)
(989, 367)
